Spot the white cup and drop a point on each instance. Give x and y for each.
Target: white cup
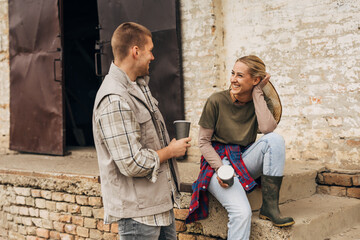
(226, 174)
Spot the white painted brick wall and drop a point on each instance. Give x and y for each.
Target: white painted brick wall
(201, 23)
(4, 78)
(311, 48)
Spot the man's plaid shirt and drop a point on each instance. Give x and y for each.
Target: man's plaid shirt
(121, 133)
(199, 205)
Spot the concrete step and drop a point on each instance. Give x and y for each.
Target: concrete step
(352, 233)
(316, 217)
(299, 181)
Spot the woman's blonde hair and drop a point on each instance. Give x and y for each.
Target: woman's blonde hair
(256, 66)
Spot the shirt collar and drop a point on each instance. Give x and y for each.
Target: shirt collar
(115, 70)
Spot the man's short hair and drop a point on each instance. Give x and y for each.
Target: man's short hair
(126, 36)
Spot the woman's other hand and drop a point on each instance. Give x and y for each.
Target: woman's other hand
(222, 184)
(264, 81)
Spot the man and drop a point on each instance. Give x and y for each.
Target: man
(139, 176)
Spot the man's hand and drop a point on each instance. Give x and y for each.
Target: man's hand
(265, 80)
(178, 147)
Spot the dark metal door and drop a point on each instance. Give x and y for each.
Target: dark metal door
(161, 18)
(36, 101)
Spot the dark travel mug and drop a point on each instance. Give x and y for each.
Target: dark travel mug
(182, 128)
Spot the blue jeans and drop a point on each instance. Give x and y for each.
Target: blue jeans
(130, 229)
(265, 157)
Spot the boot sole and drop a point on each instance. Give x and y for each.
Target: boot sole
(275, 224)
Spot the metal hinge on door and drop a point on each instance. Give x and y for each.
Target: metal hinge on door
(98, 52)
(56, 75)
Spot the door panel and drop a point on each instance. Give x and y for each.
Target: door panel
(160, 17)
(36, 104)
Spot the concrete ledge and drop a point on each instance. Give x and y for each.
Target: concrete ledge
(75, 184)
(76, 173)
(81, 161)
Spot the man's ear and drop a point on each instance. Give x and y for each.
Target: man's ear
(135, 51)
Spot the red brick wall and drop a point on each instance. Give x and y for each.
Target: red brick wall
(27, 213)
(342, 184)
(33, 214)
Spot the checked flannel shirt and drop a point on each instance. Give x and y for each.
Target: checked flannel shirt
(199, 205)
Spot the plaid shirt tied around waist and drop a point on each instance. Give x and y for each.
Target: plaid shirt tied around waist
(199, 205)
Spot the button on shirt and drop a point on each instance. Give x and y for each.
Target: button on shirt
(117, 105)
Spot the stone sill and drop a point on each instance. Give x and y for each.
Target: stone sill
(76, 172)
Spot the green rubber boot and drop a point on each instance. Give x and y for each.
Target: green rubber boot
(270, 186)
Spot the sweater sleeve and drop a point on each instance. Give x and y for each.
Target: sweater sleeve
(206, 148)
(265, 119)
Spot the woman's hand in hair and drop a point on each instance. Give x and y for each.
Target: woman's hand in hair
(264, 81)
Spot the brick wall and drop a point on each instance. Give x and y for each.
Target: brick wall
(339, 183)
(4, 78)
(35, 208)
(202, 26)
(33, 214)
(191, 231)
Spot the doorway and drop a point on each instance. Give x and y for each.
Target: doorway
(53, 82)
(80, 26)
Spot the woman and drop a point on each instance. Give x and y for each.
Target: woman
(228, 128)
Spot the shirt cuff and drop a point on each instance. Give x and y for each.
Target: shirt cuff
(155, 172)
